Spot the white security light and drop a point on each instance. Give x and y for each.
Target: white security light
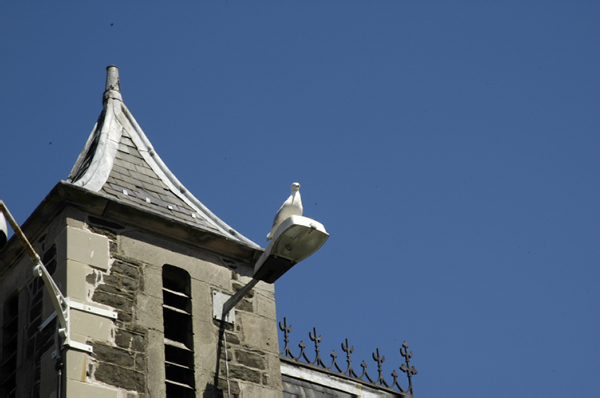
(295, 239)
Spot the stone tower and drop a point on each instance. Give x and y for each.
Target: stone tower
(139, 259)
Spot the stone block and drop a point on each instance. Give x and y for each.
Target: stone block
(259, 333)
(94, 326)
(113, 355)
(211, 273)
(155, 367)
(112, 299)
(127, 269)
(153, 281)
(129, 284)
(205, 345)
(138, 344)
(123, 339)
(77, 389)
(242, 373)
(265, 306)
(87, 248)
(112, 287)
(148, 312)
(250, 359)
(158, 252)
(273, 371)
(113, 280)
(245, 305)
(124, 316)
(234, 387)
(201, 293)
(251, 390)
(140, 362)
(75, 217)
(139, 248)
(76, 365)
(76, 285)
(232, 339)
(79, 338)
(118, 376)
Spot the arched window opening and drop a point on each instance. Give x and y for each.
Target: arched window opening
(179, 346)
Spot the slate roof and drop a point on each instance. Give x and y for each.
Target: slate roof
(118, 160)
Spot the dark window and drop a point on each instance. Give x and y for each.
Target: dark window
(179, 346)
(8, 361)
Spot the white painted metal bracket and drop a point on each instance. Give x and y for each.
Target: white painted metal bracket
(92, 309)
(61, 304)
(82, 307)
(63, 307)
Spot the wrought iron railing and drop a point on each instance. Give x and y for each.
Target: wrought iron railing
(349, 372)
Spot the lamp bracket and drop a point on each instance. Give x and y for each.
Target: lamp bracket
(61, 304)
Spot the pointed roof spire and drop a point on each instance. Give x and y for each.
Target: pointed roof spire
(119, 161)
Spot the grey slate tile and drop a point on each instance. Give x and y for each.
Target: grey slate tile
(120, 170)
(130, 158)
(157, 188)
(121, 163)
(123, 148)
(147, 171)
(141, 177)
(127, 141)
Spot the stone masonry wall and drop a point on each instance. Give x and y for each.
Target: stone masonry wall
(247, 365)
(114, 266)
(121, 362)
(132, 359)
(252, 341)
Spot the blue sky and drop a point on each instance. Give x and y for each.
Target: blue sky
(451, 151)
